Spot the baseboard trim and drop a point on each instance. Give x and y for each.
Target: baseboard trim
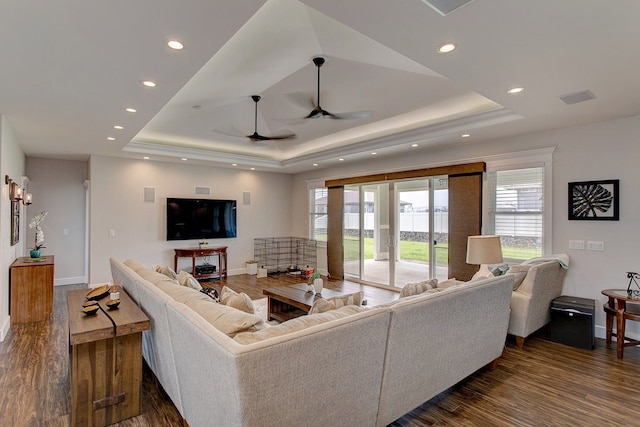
(6, 325)
(69, 281)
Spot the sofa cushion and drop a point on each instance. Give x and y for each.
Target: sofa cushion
(181, 294)
(186, 279)
(322, 305)
(226, 319)
(519, 272)
(297, 324)
(447, 283)
(240, 301)
(166, 270)
(154, 277)
(135, 265)
(418, 288)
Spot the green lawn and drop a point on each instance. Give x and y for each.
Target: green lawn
(418, 251)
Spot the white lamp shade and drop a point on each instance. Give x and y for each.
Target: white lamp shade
(484, 250)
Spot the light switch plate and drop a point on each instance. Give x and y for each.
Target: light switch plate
(595, 245)
(576, 244)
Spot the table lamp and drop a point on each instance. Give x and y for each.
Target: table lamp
(483, 250)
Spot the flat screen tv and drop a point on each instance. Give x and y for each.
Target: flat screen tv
(189, 219)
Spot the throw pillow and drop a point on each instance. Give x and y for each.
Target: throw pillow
(499, 270)
(186, 279)
(519, 272)
(418, 288)
(166, 270)
(447, 283)
(240, 301)
(322, 305)
(226, 319)
(297, 324)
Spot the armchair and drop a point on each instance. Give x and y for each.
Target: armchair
(531, 301)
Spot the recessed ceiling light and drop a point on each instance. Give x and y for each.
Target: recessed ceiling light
(234, 164)
(341, 160)
(146, 157)
(118, 127)
(515, 90)
(414, 145)
(149, 83)
(184, 159)
(446, 48)
(130, 110)
(374, 153)
(110, 138)
(252, 169)
(465, 135)
(315, 164)
(175, 44)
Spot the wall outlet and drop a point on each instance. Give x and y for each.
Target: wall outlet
(595, 245)
(576, 244)
(112, 232)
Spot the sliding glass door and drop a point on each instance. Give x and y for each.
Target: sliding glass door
(396, 232)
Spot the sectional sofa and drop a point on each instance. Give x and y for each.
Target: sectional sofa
(353, 366)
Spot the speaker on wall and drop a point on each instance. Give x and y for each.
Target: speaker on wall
(150, 194)
(246, 197)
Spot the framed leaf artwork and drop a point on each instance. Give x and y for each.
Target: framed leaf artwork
(594, 200)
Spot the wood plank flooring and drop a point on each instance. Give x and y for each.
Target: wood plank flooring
(546, 384)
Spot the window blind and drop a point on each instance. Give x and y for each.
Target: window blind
(515, 211)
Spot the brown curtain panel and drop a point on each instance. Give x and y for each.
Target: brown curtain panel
(465, 219)
(335, 255)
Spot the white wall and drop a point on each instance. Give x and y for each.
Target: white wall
(606, 150)
(116, 203)
(58, 188)
(12, 163)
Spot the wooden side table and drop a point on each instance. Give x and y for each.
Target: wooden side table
(193, 253)
(622, 306)
(106, 360)
(31, 289)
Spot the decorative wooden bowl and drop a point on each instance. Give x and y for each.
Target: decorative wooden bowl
(89, 303)
(92, 309)
(113, 304)
(98, 292)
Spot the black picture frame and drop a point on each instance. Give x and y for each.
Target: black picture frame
(15, 222)
(594, 200)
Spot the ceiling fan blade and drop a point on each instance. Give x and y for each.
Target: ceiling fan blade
(234, 134)
(352, 115)
(301, 100)
(256, 137)
(320, 113)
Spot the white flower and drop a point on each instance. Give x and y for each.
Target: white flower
(35, 222)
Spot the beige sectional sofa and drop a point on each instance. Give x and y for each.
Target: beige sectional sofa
(352, 366)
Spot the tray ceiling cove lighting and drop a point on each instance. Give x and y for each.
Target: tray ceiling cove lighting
(483, 250)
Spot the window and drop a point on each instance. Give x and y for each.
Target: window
(318, 214)
(516, 211)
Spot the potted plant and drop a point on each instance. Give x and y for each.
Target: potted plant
(317, 282)
(39, 237)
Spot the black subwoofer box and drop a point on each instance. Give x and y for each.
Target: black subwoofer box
(573, 321)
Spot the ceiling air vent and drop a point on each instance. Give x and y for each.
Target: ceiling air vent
(575, 97)
(203, 191)
(445, 7)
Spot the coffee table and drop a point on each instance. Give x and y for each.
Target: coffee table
(288, 302)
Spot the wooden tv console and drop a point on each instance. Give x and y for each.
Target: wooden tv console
(193, 253)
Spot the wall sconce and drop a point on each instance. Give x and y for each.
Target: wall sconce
(17, 193)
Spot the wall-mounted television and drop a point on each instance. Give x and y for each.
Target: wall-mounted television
(189, 219)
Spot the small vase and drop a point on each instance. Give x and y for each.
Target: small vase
(34, 253)
(317, 285)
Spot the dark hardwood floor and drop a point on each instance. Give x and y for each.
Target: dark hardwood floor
(546, 384)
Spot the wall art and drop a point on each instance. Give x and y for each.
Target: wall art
(594, 200)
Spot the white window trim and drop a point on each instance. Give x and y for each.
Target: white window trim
(521, 160)
(313, 184)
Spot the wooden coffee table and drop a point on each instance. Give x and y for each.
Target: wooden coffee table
(287, 302)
